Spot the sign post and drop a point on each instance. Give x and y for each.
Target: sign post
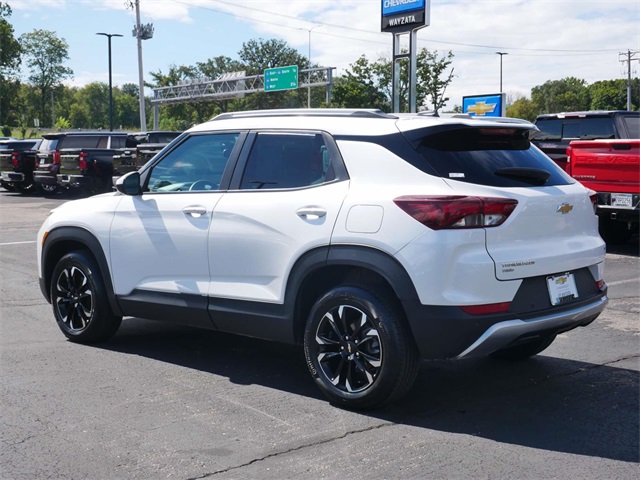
(400, 17)
(281, 78)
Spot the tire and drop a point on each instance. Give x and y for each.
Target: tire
(7, 186)
(358, 348)
(79, 299)
(614, 232)
(49, 189)
(524, 351)
(26, 187)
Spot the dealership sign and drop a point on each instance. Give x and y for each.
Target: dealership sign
(404, 15)
(493, 105)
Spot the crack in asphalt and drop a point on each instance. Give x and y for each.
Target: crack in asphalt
(390, 424)
(294, 449)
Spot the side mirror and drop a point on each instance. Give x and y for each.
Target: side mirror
(129, 184)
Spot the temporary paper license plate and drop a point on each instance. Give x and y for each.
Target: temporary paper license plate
(621, 200)
(562, 288)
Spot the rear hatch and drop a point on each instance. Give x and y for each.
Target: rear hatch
(553, 228)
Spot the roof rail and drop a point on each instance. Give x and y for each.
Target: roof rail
(307, 112)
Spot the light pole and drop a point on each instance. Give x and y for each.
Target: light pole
(309, 74)
(501, 54)
(109, 35)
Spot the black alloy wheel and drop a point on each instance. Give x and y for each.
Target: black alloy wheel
(358, 347)
(79, 300)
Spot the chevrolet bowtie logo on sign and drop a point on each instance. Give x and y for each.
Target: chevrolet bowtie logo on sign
(492, 105)
(565, 208)
(482, 108)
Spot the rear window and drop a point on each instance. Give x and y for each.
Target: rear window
(81, 141)
(118, 141)
(48, 144)
(584, 128)
(488, 156)
(632, 125)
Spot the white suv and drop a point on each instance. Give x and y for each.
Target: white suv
(371, 239)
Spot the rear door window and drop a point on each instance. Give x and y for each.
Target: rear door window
(118, 141)
(287, 160)
(499, 157)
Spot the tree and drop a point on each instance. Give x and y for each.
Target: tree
(568, 94)
(360, 87)
(45, 54)
(9, 63)
(369, 85)
(608, 95)
(433, 79)
(523, 108)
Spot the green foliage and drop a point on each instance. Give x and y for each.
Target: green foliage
(566, 95)
(433, 79)
(523, 108)
(369, 85)
(6, 131)
(45, 54)
(62, 124)
(10, 54)
(608, 95)
(360, 87)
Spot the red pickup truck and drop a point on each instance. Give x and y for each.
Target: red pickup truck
(612, 169)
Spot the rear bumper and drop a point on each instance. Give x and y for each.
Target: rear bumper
(44, 178)
(503, 334)
(12, 177)
(75, 181)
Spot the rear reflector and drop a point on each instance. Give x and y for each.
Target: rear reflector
(486, 309)
(452, 212)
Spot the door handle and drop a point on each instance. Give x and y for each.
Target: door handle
(195, 211)
(311, 213)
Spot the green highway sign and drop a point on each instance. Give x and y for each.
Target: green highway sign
(281, 78)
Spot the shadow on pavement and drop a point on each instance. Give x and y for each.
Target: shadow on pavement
(545, 403)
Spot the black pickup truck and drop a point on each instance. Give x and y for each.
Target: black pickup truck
(17, 162)
(78, 160)
(140, 148)
(557, 130)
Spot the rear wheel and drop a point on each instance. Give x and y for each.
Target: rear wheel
(526, 350)
(79, 298)
(26, 187)
(49, 189)
(358, 348)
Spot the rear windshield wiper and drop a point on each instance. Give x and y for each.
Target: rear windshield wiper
(534, 176)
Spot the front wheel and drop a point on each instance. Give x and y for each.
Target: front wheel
(79, 298)
(358, 347)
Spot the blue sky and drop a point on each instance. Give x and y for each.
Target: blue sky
(544, 39)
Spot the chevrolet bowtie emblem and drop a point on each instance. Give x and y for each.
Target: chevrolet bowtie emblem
(565, 208)
(482, 108)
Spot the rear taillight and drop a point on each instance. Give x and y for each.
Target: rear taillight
(15, 159)
(56, 158)
(83, 160)
(569, 168)
(593, 196)
(451, 212)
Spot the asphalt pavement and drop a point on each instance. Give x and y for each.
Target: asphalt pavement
(163, 401)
